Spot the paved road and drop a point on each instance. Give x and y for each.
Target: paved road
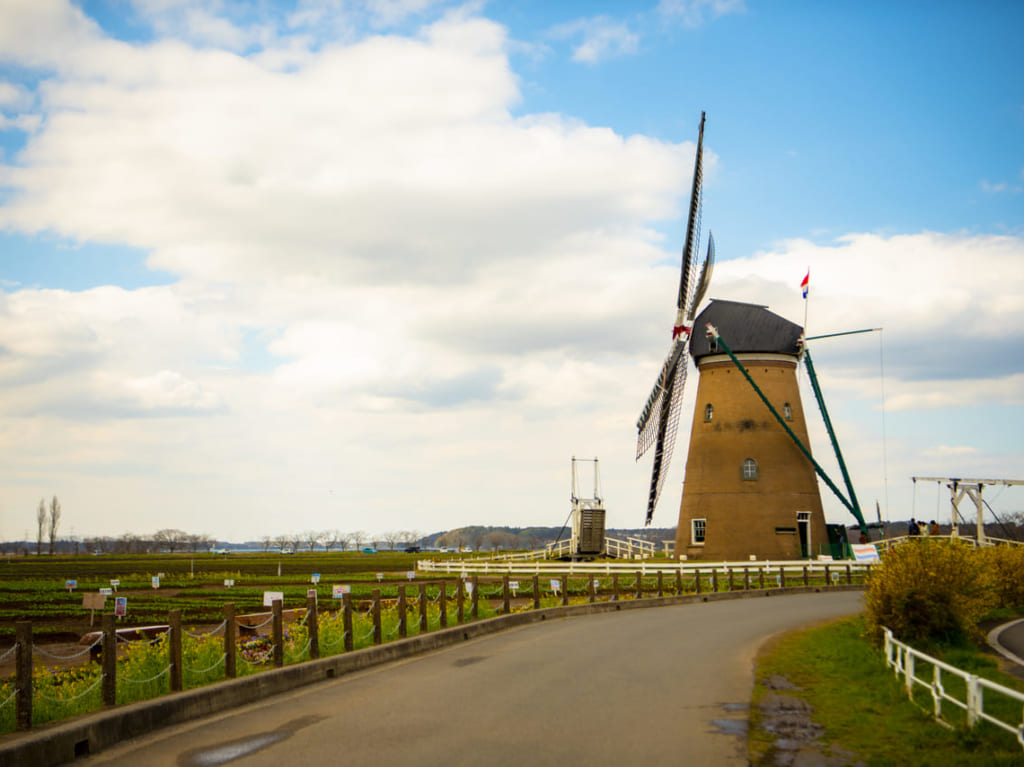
(663, 686)
(1011, 638)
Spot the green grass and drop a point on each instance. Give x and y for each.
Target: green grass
(864, 709)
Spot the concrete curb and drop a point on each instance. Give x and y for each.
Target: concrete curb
(65, 741)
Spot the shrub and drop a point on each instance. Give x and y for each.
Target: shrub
(1007, 566)
(930, 591)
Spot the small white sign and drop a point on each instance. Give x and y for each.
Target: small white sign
(556, 585)
(115, 583)
(340, 591)
(411, 575)
(229, 582)
(106, 592)
(514, 585)
(469, 587)
(380, 577)
(156, 581)
(269, 597)
(824, 557)
(71, 584)
(315, 578)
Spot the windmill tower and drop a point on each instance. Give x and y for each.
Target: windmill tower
(748, 489)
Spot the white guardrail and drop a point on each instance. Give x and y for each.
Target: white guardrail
(790, 570)
(903, 659)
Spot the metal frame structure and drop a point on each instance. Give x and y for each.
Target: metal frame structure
(959, 487)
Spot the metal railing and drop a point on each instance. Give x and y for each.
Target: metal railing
(903, 659)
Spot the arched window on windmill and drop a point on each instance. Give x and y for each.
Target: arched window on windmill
(709, 412)
(749, 469)
(787, 411)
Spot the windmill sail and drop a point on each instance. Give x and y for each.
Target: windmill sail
(659, 420)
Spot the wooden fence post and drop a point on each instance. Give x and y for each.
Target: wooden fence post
(565, 589)
(729, 570)
(592, 589)
(474, 610)
(714, 580)
(23, 675)
(639, 585)
(697, 580)
(615, 587)
(378, 631)
(506, 600)
(760, 571)
(807, 577)
(679, 581)
(782, 576)
(746, 579)
(849, 575)
(109, 661)
(174, 649)
(403, 630)
(277, 626)
(536, 592)
(460, 595)
(424, 627)
(230, 642)
(442, 601)
(313, 627)
(828, 575)
(346, 621)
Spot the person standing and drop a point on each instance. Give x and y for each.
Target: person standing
(912, 528)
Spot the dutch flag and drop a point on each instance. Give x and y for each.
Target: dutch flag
(803, 285)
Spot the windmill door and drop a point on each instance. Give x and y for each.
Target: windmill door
(803, 528)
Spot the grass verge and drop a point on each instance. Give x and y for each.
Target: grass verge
(863, 709)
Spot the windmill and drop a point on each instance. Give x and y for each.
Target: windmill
(659, 420)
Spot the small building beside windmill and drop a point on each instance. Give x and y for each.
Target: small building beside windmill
(748, 489)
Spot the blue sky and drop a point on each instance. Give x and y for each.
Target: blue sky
(389, 264)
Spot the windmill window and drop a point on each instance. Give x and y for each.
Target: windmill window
(787, 411)
(709, 412)
(749, 469)
(697, 528)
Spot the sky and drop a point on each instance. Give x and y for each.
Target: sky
(388, 265)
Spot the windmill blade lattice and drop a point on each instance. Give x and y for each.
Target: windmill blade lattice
(659, 420)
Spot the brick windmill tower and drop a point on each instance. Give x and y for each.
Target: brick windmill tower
(749, 490)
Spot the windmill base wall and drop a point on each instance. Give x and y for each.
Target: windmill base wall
(743, 517)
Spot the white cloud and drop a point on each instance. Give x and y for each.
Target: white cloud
(602, 38)
(999, 187)
(393, 287)
(693, 13)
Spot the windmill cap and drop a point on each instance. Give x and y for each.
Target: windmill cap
(745, 328)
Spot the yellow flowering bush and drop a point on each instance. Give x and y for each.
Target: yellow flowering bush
(930, 590)
(1007, 565)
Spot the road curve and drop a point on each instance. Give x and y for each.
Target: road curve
(664, 686)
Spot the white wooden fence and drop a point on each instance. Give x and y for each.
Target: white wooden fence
(783, 571)
(903, 660)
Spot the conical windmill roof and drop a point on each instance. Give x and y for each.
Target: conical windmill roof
(745, 328)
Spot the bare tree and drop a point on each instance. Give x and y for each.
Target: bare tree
(312, 538)
(391, 538)
(330, 538)
(281, 541)
(358, 537)
(170, 538)
(54, 522)
(267, 541)
(41, 520)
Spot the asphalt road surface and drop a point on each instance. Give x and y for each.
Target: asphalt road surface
(661, 686)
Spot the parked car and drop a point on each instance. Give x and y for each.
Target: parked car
(369, 550)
